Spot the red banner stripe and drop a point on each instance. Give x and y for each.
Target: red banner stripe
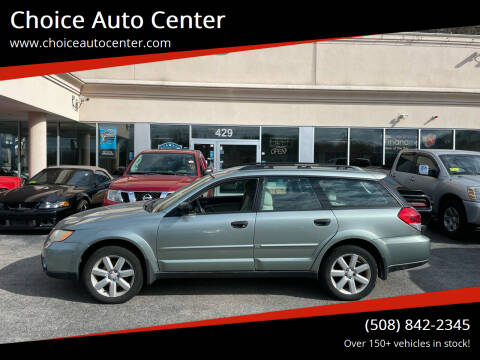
(448, 297)
(22, 71)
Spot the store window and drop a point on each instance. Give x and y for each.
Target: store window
(331, 146)
(467, 140)
(77, 143)
(115, 146)
(280, 144)
(436, 139)
(9, 148)
(225, 132)
(169, 135)
(399, 139)
(366, 147)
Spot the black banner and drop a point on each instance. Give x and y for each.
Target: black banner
(440, 329)
(33, 34)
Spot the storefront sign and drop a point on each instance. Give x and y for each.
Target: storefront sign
(225, 132)
(107, 140)
(429, 140)
(169, 145)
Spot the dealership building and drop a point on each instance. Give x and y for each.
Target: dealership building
(352, 101)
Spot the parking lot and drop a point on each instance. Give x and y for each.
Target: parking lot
(34, 306)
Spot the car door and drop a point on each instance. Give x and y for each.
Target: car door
(291, 224)
(215, 235)
(426, 178)
(405, 168)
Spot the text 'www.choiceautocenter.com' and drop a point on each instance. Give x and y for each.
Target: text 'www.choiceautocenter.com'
(91, 44)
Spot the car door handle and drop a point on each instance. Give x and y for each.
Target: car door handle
(412, 178)
(321, 222)
(239, 224)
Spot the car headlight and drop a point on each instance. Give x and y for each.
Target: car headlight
(54, 205)
(114, 195)
(474, 192)
(56, 236)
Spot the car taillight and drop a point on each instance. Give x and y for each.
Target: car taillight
(411, 217)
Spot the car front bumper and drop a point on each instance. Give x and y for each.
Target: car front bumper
(472, 210)
(59, 261)
(35, 219)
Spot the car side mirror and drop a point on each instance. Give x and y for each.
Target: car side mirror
(185, 208)
(207, 171)
(433, 173)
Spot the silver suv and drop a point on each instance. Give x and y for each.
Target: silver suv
(339, 225)
(451, 178)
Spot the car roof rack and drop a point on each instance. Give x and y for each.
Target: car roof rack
(298, 165)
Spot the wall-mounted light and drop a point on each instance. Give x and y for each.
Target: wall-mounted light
(402, 116)
(78, 101)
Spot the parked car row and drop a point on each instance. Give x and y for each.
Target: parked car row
(173, 217)
(60, 191)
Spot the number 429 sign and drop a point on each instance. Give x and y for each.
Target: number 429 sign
(224, 132)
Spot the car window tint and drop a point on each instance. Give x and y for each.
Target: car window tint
(355, 193)
(406, 163)
(227, 197)
(288, 194)
(101, 178)
(425, 160)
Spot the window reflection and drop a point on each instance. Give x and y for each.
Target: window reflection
(331, 146)
(366, 147)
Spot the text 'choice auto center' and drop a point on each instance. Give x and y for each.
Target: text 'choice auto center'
(351, 101)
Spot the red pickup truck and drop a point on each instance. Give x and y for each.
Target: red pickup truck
(154, 174)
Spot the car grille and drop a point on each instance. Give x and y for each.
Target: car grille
(131, 196)
(22, 205)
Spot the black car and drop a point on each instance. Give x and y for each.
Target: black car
(51, 195)
(416, 198)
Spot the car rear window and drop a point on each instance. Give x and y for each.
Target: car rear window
(347, 193)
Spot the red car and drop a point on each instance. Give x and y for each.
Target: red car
(155, 174)
(9, 182)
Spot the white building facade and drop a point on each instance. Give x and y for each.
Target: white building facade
(352, 101)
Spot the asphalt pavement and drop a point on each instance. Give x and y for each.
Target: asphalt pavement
(34, 306)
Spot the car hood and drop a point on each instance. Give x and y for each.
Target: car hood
(468, 180)
(103, 214)
(37, 193)
(151, 182)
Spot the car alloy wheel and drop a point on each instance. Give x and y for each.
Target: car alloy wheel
(350, 274)
(83, 205)
(112, 276)
(451, 219)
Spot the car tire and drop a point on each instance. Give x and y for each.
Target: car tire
(346, 278)
(453, 219)
(110, 281)
(83, 205)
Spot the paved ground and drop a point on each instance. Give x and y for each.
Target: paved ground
(34, 306)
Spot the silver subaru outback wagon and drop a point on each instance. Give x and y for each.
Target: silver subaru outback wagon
(341, 226)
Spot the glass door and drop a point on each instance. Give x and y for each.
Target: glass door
(224, 154)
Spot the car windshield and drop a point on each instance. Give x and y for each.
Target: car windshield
(161, 204)
(164, 163)
(462, 164)
(56, 176)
